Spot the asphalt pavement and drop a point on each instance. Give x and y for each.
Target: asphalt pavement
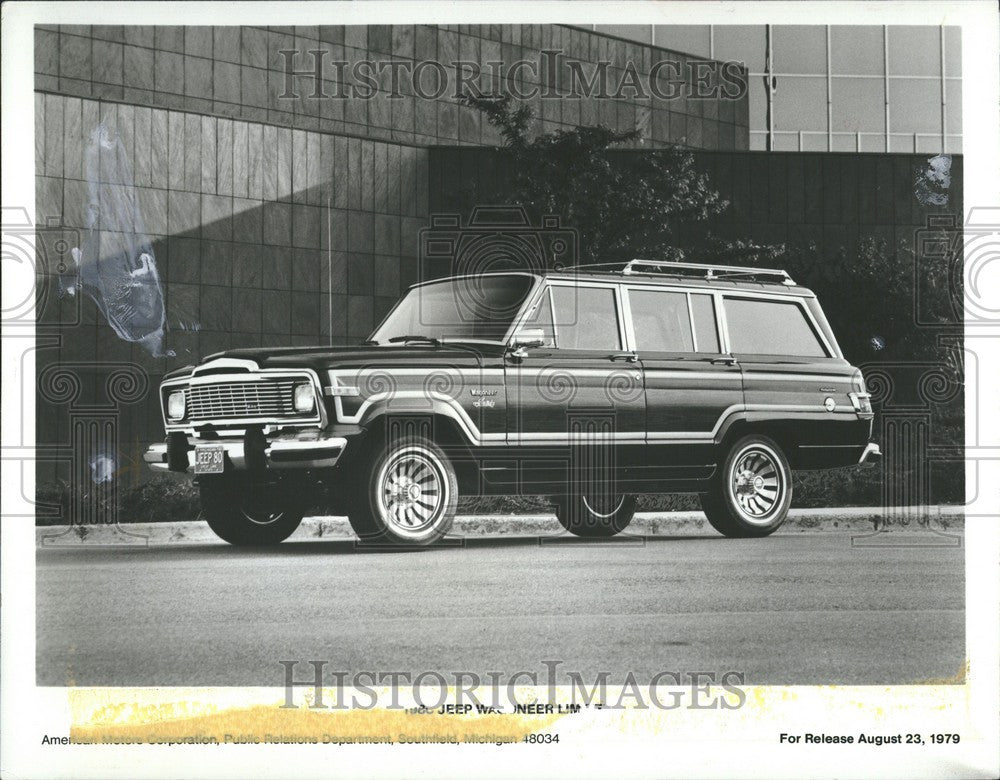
(805, 608)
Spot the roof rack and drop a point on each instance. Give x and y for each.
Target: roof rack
(707, 271)
(700, 270)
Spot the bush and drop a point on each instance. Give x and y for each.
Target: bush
(158, 500)
(166, 499)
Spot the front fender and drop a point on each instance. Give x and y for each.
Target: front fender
(378, 413)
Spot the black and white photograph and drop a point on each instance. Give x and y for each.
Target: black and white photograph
(385, 377)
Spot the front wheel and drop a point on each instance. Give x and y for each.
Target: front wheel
(595, 518)
(250, 512)
(407, 495)
(752, 493)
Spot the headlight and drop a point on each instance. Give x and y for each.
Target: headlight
(305, 399)
(176, 405)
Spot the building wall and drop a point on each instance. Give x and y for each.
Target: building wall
(867, 88)
(271, 221)
(239, 72)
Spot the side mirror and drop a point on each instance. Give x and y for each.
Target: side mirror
(525, 339)
(528, 338)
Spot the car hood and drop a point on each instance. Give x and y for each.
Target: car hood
(320, 358)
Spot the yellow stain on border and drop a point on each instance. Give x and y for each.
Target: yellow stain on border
(180, 721)
(252, 715)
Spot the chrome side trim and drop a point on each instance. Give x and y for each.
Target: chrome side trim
(673, 373)
(749, 373)
(455, 411)
(345, 375)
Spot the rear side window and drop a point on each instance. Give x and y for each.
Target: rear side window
(669, 321)
(660, 321)
(585, 318)
(759, 327)
(703, 316)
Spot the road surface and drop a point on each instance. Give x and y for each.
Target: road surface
(804, 608)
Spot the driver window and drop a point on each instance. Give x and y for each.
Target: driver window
(586, 318)
(541, 319)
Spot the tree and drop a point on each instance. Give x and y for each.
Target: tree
(654, 205)
(657, 205)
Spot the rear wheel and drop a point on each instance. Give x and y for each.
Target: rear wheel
(752, 493)
(407, 495)
(595, 518)
(250, 512)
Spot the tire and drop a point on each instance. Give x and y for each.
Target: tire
(249, 512)
(406, 495)
(753, 491)
(577, 515)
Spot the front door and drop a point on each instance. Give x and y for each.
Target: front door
(576, 409)
(692, 383)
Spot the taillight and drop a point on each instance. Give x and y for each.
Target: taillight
(861, 402)
(860, 399)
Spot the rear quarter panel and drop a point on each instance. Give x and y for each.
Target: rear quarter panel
(778, 388)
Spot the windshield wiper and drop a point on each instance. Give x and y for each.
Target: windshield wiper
(426, 339)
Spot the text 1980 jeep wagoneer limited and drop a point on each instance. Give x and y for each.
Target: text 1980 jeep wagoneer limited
(590, 385)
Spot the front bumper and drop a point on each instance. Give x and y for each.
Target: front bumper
(872, 454)
(304, 451)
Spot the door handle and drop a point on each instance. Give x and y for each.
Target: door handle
(728, 360)
(630, 357)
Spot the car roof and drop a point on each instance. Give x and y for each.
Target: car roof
(656, 278)
(670, 280)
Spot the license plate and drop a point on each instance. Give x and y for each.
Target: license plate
(209, 459)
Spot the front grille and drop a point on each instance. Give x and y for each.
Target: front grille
(268, 399)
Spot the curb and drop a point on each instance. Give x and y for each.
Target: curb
(843, 519)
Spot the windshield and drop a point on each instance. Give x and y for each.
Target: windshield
(477, 308)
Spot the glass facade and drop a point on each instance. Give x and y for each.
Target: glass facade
(837, 88)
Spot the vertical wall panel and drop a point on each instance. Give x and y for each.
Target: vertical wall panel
(241, 187)
(175, 150)
(159, 165)
(192, 152)
(224, 156)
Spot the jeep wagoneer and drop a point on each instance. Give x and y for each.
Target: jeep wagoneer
(591, 385)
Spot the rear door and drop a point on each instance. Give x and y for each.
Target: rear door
(790, 368)
(691, 381)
